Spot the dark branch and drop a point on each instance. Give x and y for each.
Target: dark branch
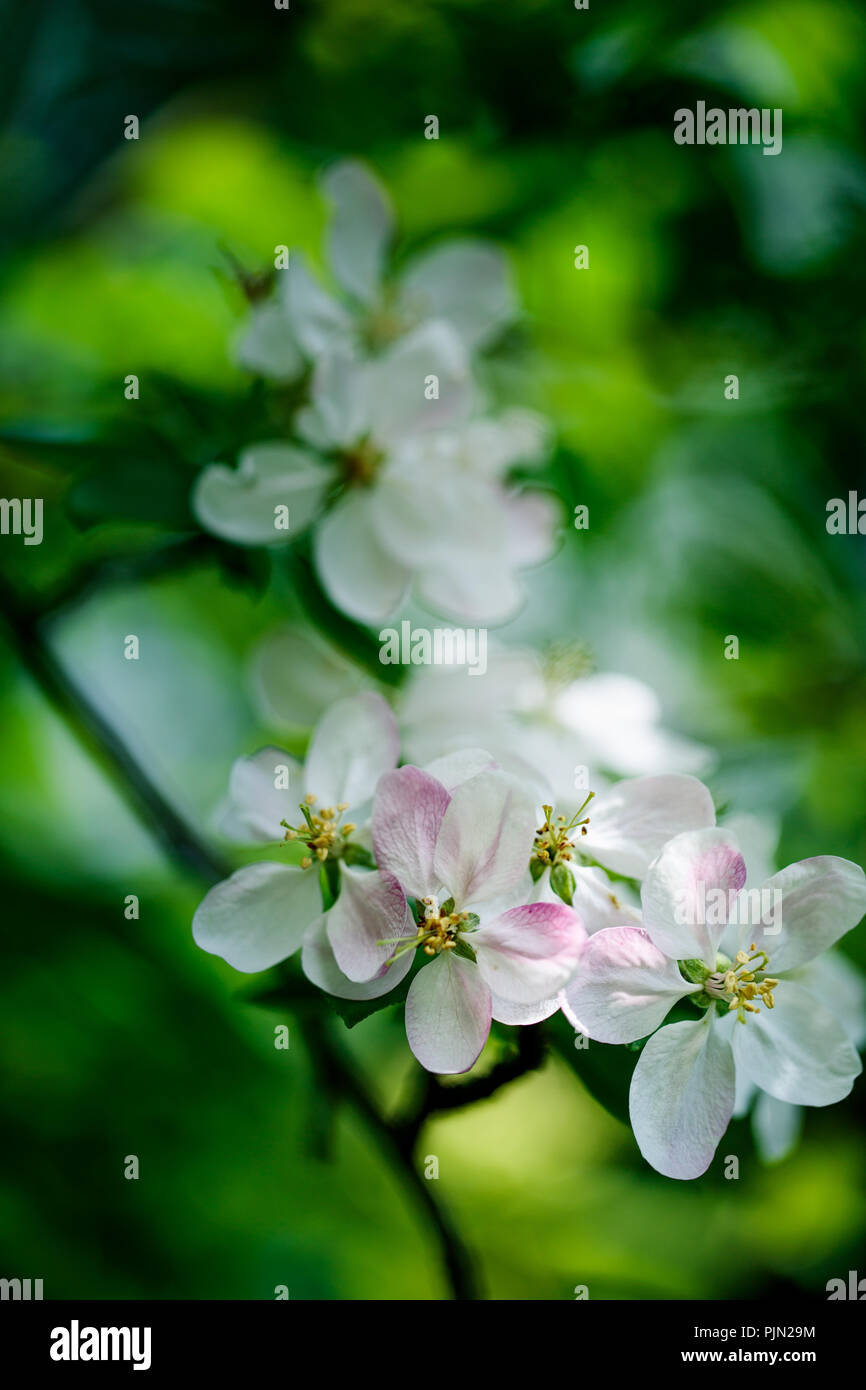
(435, 1098)
(178, 839)
(343, 1079)
(25, 624)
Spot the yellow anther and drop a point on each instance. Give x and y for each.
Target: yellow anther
(554, 840)
(742, 984)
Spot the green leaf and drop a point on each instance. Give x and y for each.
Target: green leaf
(151, 491)
(605, 1069)
(354, 1011)
(562, 882)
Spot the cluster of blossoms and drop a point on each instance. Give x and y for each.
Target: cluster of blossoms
(393, 464)
(503, 910)
(507, 848)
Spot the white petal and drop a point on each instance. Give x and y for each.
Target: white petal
(473, 589)
(361, 228)
(836, 980)
(255, 806)
(320, 966)
(295, 675)
(407, 816)
(697, 876)
(797, 1051)
(371, 908)
(466, 283)
(618, 717)
(776, 1127)
(320, 324)
(506, 1011)
(599, 902)
(239, 504)
(455, 768)
(534, 523)
(338, 415)
(821, 900)
(746, 1089)
(485, 839)
(624, 987)
(448, 1011)
(493, 445)
(428, 516)
(352, 746)
(682, 1097)
(258, 917)
(358, 575)
(530, 953)
(397, 405)
(630, 824)
(267, 344)
(758, 838)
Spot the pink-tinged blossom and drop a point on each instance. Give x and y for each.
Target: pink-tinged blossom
(767, 1029)
(458, 843)
(259, 915)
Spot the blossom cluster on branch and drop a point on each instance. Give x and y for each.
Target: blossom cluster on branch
(439, 842)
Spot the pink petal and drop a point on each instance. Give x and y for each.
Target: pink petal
(696, 876)
(371, 908)
(529, 953)
(320, 965)
(407, 815)
(485, 839)
(448, 1014)
(624, 987)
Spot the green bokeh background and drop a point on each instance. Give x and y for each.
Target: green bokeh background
(707, 519)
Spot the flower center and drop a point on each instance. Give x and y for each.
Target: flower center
(554, 840)
(565, 662)
(322, 831)
(388, 320)
(360, 464)
(744, 984)
(439, 929)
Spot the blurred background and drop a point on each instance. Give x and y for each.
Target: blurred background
(707, 519)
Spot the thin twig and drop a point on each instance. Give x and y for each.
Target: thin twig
(435, 1098)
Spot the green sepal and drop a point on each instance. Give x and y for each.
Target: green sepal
(694, 971)
(332, 877)
(462, 948)
(536, 869)
(562, 882)
(447, 906)
(357, 854)
(471, 922)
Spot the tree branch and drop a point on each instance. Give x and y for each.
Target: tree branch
(435, 1098)
(24, 622)
(179, 840)
(344, 1079)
